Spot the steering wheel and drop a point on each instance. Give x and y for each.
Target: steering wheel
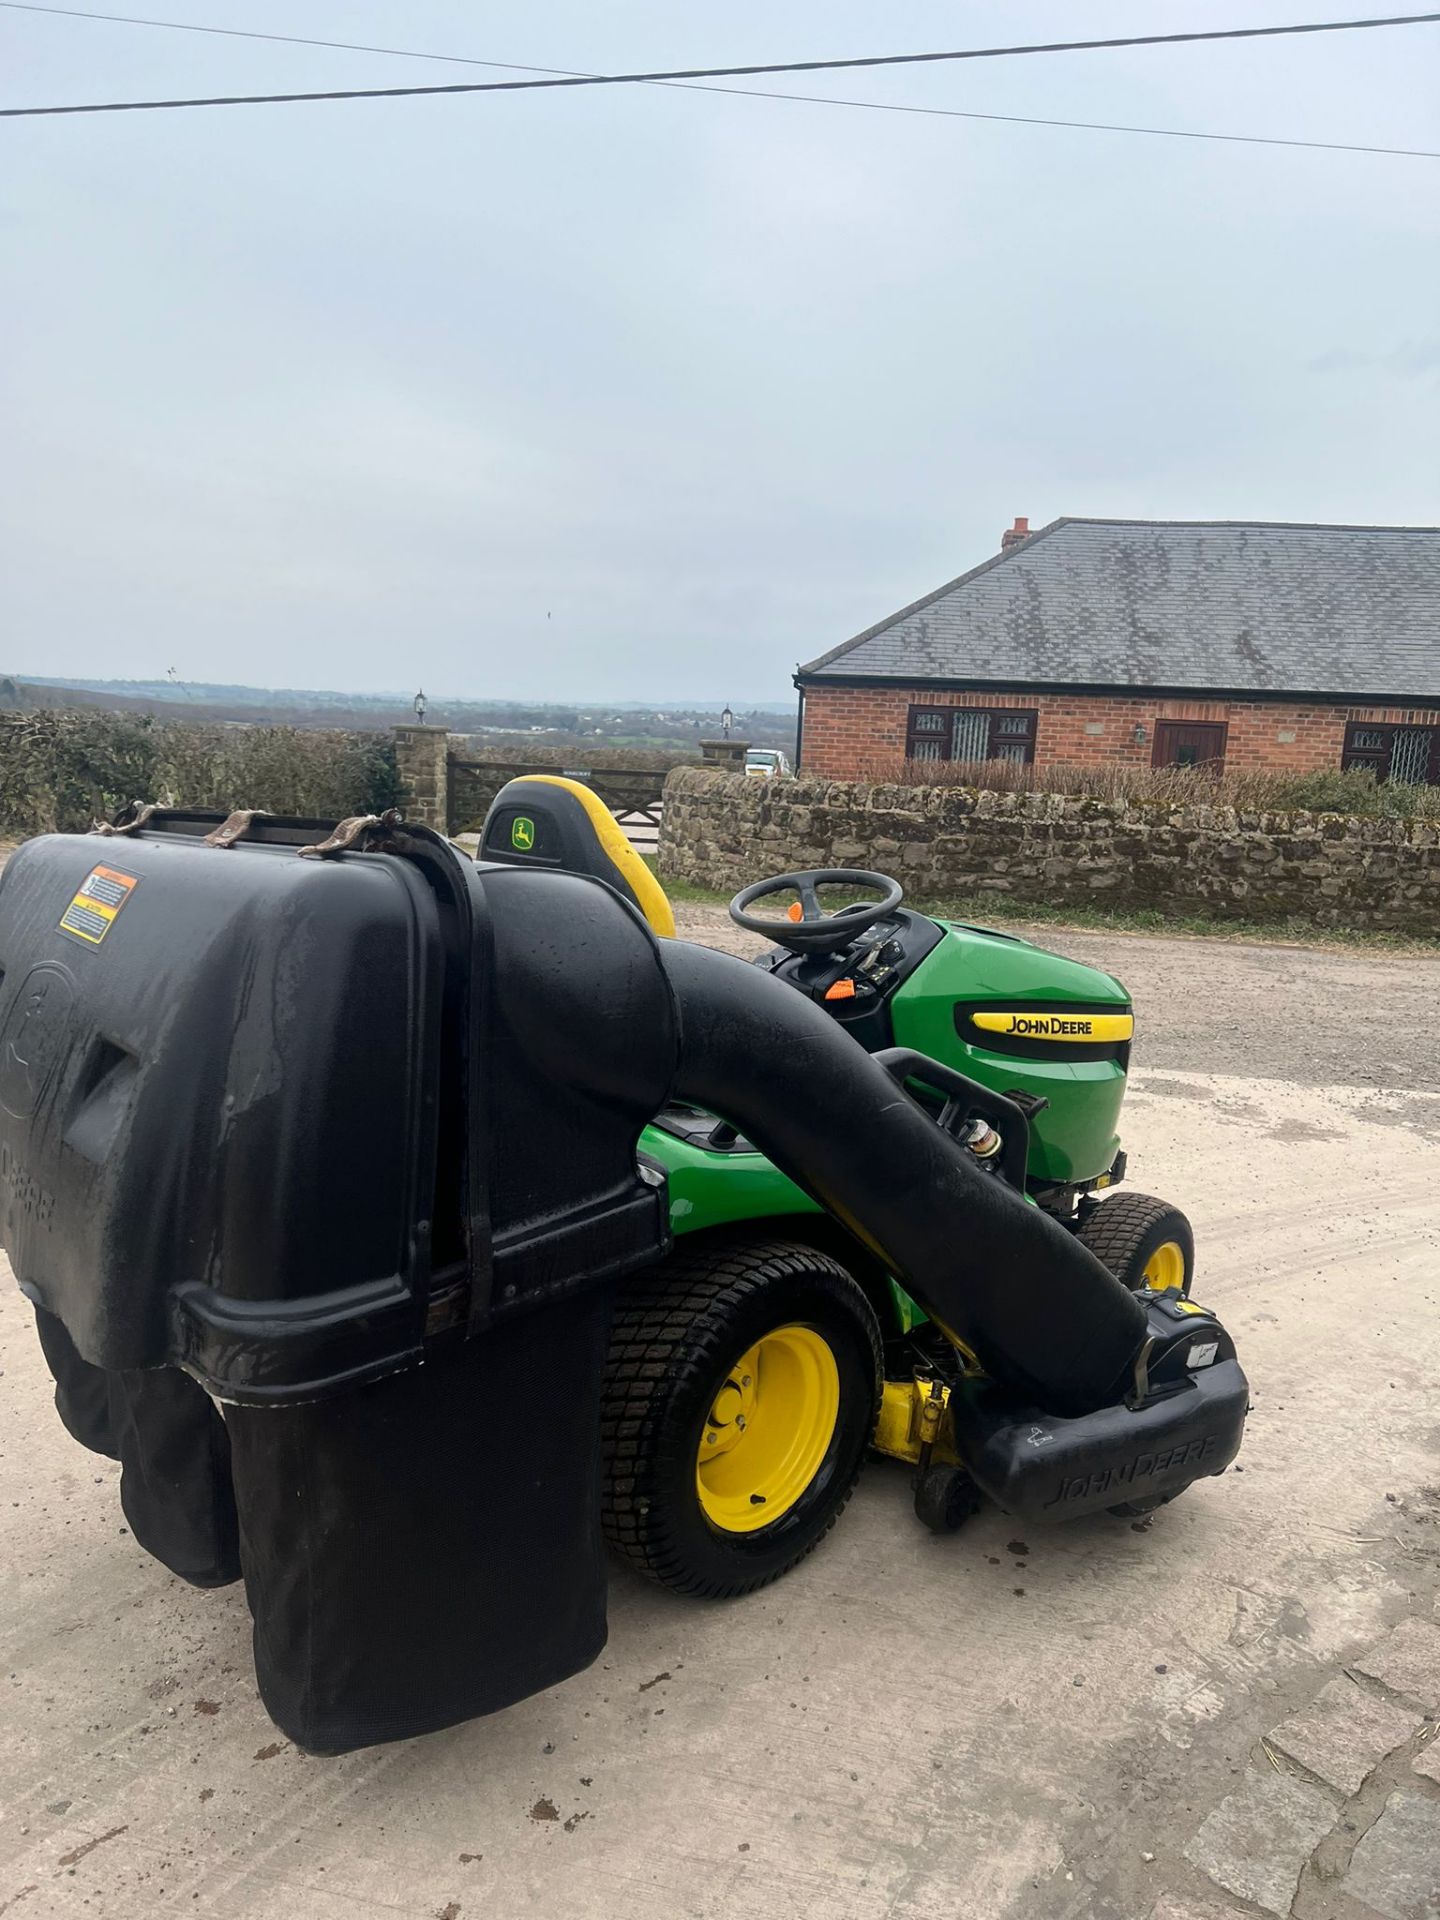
(817, 931)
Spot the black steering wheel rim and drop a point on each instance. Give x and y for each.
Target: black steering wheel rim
(817, 931)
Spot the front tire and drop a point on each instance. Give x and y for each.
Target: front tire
(1146, 1243)
(740, 1395)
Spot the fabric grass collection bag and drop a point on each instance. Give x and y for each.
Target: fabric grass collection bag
(338, 1143)
(173, 1449)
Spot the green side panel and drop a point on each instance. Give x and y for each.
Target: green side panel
(908, 1313)
(719, 1189)
(726, 1189)
(1077, 1137)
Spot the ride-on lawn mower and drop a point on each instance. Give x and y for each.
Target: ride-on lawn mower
(489, 1219)
(750, 1371)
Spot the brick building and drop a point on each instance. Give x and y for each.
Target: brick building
(1151, 643)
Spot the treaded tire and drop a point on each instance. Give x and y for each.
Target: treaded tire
(678, 1329)
(1125, 1230)
(946, 1498)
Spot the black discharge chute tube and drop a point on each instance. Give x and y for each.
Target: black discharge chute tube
(1038, 1308)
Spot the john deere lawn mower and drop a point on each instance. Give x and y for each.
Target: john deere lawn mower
(749, 1372)
(403, 1225)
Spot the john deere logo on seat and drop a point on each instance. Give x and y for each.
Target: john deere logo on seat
(522, 833)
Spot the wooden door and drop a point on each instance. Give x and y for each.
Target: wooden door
(1188, 743)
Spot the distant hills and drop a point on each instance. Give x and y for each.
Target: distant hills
(212, 693)
(613, 722)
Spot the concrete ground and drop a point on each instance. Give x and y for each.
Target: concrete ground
(1217, 1711)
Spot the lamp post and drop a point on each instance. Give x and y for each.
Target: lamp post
(727, 721)
(419, 705)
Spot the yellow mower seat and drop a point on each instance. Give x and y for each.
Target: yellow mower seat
(544, 820)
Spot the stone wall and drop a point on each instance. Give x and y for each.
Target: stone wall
(1059, 849)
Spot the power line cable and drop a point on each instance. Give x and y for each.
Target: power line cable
(743, 93)
(1094, 126)
(725, 73)
(290, 39)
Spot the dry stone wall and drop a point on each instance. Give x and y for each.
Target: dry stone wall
(1054, 849)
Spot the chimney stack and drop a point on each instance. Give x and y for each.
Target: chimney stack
(1012, 536)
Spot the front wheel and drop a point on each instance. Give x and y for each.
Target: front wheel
(1145, 1242)
(945, 1498)
(740, 1395)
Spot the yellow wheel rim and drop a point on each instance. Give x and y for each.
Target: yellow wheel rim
(1166, 1266)
(768, 1430)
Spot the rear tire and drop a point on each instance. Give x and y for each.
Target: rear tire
(1146, 1243)
(673, 1378)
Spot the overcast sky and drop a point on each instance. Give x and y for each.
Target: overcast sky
(640, 393)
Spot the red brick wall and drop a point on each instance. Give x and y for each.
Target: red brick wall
(849, 730)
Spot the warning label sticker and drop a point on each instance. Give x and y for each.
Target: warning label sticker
(96, 907)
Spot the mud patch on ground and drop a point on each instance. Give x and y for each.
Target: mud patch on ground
(1415, 1112)
(1294, 1129)
(77, 1854)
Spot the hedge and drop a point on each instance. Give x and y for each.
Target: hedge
(61, 770)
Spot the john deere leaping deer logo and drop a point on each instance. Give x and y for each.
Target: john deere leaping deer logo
(36, 1037)
(522, 833)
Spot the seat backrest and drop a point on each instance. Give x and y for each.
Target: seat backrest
(545, 820)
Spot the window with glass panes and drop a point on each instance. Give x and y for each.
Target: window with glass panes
(1402, 755)
(970, 733)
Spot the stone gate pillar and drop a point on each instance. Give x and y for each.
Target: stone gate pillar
(725, 756)
(422, 760)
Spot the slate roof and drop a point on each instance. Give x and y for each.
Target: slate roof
(1226, 606)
